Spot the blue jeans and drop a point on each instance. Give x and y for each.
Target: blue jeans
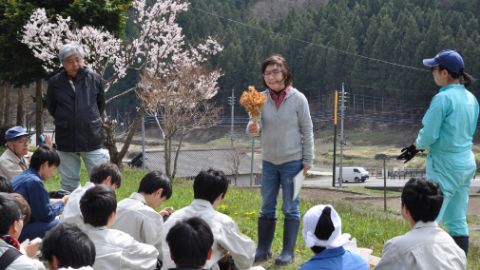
(69, 168)
(274, 176)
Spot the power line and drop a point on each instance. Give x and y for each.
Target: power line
(310, 43)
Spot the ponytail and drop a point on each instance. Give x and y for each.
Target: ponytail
(466, 79)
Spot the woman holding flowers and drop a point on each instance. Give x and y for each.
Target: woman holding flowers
(286, 133)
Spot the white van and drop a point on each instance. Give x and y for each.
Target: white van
(352, 174)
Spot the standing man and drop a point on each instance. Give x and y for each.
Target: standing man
(76, 100)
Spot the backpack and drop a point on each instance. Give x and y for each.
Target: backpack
(7, 258)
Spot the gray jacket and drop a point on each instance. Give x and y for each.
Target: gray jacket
(76, 110)
(287, 133)
(23, 262)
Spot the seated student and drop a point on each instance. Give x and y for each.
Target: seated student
(137, 216)
(28, 248)
(11, 224)
(209, 188)
(15, 159)
(30, 185)
(67, 246)
(322, 233)
(426, 246)
(114, 249)
(5, 185)
(106, 174)
(190, 243)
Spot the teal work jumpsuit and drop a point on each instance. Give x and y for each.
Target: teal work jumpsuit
(448, 128)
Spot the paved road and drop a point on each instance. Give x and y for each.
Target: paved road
(326, 181)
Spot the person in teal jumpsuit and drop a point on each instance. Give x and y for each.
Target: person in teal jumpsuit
(448, 128)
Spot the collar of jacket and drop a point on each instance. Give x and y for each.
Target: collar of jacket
(80, 74)
(138, 197)
(329, 253)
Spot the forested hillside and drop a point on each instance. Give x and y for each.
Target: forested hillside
(330, 42)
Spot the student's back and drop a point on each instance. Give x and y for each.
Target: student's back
(118, 250)
(426, 246)
(114, 249)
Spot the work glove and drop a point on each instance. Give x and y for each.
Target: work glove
(408, 153)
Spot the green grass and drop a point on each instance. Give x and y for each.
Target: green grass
(371, 227)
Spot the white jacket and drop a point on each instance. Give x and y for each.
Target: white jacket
(71, 211)
(426, 246)
(23, 262)
(139, 220)
(117, 250)
(227, 236)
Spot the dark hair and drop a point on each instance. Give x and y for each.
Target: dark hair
(465, 78)
(97, 204)
(154, 180)
(209, 184)
(423, 199)
(190, 241)
(70, 245)
(44, 153)
(5, 185)
(279, 61)
(9, 212)
(104, 170)
(24, 207)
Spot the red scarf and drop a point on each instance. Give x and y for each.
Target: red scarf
(11, 241)
(278, 97)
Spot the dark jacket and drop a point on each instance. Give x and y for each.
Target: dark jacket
(78, 125)
(31, 187)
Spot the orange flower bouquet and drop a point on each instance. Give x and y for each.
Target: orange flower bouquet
(253, 102)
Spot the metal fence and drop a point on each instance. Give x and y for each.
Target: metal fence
(227, 147)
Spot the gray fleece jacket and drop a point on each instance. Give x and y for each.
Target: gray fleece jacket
(287, 133)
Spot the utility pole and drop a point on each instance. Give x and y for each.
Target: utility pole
(231, 102)
(335, 110)
(342, 137)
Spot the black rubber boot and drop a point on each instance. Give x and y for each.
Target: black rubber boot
(462, 242)
(290, 232)
(266, 231)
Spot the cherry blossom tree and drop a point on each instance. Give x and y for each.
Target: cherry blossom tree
(158, 51)
(182, 99)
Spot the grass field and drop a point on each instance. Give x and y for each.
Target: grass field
(370, 226)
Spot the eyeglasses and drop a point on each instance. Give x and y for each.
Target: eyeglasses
(274, 72)
(22, 140)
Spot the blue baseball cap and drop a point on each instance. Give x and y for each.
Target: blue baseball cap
(16, 132)
(449, 59)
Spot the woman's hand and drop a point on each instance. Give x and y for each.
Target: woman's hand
(306, 168)
(253, 128)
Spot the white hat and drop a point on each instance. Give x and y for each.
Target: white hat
(323, 231)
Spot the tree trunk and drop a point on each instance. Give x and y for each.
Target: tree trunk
(109, 140)
(20, 107)
(38, 109)
(177, 152)
(6, 116)
(168, 155)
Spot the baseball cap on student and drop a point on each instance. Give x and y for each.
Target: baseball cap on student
(448, 59)
(16, 132)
